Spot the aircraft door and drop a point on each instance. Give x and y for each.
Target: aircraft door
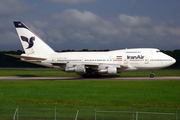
(146, 60)
(81, 59)
(125, 61)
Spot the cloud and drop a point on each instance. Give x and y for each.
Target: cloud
(72, 1)
(164, 30)
(175, 31)
(134, 21)
(9, 11)
(72, 16)
(12, 7)
(41, 24)
(84, 26)
(7, 37)
(160, 30)
(73, 28)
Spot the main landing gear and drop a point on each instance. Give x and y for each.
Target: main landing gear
(91, 75)
(152, 74)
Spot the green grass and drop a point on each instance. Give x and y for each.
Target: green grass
(26, 72)
(72, 95)
(157, 73)
(80, 93)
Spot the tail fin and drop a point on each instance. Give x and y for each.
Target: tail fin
(32, 44)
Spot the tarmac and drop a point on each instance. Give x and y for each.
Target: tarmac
(24, 78)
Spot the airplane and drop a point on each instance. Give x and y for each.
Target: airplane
(89, 63)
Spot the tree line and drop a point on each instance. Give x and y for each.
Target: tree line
(11, 62)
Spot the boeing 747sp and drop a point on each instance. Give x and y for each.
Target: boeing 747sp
(89, 63)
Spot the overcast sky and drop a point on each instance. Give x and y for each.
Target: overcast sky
(93, 24)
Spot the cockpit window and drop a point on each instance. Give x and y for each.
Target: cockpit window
(157, 51)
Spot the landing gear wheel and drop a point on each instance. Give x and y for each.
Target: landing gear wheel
(84, 75)
(87, 75)
(152, 75)
(91, 75)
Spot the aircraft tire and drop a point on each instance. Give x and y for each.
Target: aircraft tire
(151, 75)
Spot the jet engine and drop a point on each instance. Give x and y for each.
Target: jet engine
(77, 68)
(107, 70)
(112, 70)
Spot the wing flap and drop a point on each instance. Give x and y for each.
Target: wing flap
(89, 64)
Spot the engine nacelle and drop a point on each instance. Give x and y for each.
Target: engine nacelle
(104, 71)
(80, 69)
(112, 70)
(70, 69)
(109, 70)
(77, 69)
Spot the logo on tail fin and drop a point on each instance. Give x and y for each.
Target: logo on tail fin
(30, 41)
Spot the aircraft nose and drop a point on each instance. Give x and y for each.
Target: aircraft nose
(173, 61)
(170, 61)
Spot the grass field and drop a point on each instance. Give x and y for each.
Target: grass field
(103, 93)
(78, 94)
(28, 72)
(107, 95)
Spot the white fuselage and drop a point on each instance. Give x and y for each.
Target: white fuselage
(125, 60)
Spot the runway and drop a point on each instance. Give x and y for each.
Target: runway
(20, 78)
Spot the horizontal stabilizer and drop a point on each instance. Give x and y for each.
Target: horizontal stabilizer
(25, 57)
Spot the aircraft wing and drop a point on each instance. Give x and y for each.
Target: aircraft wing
(81, 67)
(48, 63)
(88, 64)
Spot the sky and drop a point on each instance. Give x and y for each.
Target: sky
(93, 24)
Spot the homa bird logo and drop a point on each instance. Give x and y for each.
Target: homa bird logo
(30, 41)
(135, 57)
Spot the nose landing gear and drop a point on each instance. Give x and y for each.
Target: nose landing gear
(152, 74)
